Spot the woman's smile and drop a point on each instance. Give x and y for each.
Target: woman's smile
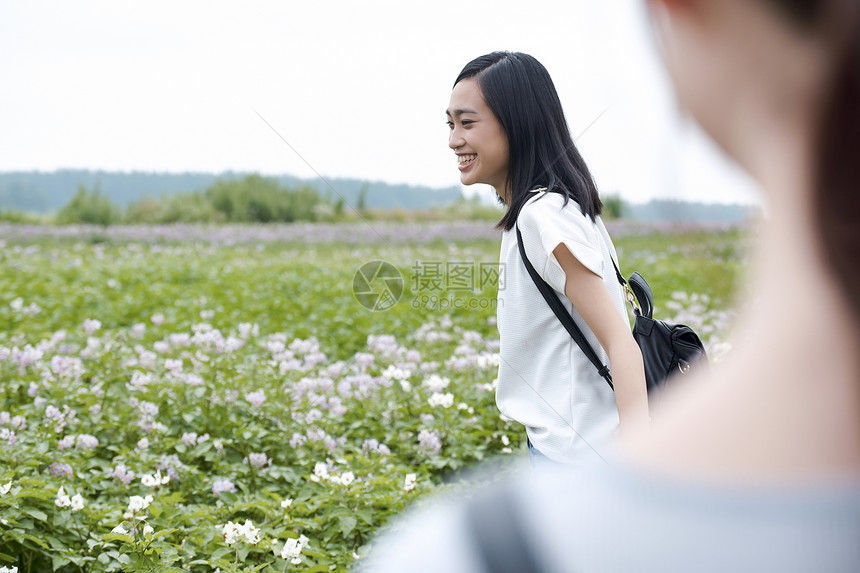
(465, 160)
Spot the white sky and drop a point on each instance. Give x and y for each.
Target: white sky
(358, 88)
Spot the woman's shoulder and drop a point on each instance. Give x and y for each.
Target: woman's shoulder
(546, 211)
(552, 205)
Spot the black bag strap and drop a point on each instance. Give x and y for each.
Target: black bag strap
(496, 530)
(563, 316)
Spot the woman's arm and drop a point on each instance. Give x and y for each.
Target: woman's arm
(588, 294)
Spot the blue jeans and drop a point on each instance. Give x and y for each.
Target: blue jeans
(538, 460)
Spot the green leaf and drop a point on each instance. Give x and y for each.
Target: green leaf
(366, 515)
(347, 524)
(162, 533)
(36, 514)
(58, 561)
(115, 537)
(219, 553)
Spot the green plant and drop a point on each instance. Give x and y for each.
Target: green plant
(89, 207)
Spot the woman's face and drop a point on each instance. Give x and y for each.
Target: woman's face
(477, 138)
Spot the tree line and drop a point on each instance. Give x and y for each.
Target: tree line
(251, 199)
(47, 192)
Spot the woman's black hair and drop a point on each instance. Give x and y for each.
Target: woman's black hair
(520, 93)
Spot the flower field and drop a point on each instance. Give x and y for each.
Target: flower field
(181, 402)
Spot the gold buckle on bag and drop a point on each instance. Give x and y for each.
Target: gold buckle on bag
(631, 298)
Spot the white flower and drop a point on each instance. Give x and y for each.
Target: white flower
(409, 482)
(147, 529)
(119, 530)
(507, 450)
(256, 398)
(91, 325)
(62, 499)
(445, 400)
(86, 442)
(251, 533)
(347, 478)
(320, 472)
(156, 480)
(505, 441)
(395, 373)
(284, 504)
(436, 383)
(292, 549)
(232, 532)
(4, 489)
(77, 502)
(137, 503)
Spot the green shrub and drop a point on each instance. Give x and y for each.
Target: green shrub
(183, 208)
(89, 207)
(614, 207)
(20, 217)
(256, 199)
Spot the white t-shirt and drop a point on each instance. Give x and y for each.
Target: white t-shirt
(546, 382)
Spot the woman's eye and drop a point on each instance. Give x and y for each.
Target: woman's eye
(466, 122)
(450, 124)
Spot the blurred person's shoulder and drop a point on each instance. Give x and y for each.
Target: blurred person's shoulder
(617, 518)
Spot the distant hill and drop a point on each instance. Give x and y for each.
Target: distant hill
(672, 210)
(43, 192)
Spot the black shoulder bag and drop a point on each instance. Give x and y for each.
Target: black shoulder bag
(667, 348)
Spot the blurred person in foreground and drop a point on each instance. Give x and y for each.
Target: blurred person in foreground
(755, 467)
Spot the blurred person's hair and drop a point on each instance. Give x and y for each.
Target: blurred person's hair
(521, 94)
(837, 165)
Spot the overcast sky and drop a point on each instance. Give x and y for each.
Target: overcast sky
(358, 89)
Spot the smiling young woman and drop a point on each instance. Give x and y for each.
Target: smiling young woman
(508, 130)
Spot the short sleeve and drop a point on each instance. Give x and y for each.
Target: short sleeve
(545, 224)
